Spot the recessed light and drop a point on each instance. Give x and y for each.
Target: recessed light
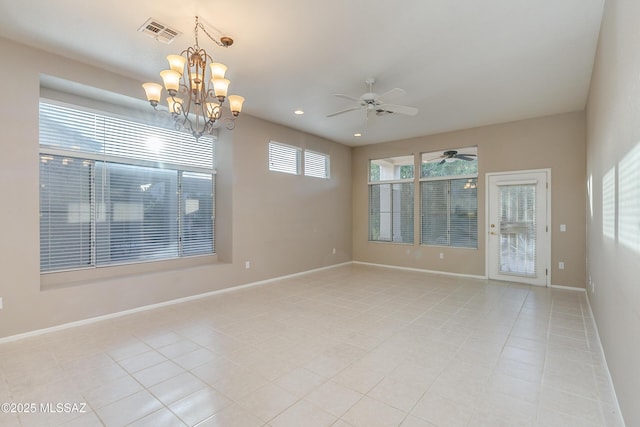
(357, 134)
(298, 112)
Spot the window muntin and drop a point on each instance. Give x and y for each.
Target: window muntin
(449, 200)
(104, 202)
(284, 158)
(391, 203)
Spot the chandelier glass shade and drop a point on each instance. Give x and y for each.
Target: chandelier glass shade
(197, 89)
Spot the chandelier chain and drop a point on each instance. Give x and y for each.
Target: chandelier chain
(213, 39)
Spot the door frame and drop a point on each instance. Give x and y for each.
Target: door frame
(487, 214)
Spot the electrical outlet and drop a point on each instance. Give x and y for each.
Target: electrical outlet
(333, 251)
(561, 265)
(563, 227)
(441, 255)
(1, 303)
(247, 264)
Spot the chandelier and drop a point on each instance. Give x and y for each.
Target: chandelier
(202, 89)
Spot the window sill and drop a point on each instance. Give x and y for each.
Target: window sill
(391, 242)
(86, 276)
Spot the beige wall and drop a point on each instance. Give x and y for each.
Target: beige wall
(283, 224)
(555, 142)
(613, 144)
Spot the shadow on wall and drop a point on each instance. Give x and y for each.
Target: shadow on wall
(621, 201)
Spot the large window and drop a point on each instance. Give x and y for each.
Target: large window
(449, 199)
(114, 191)
(391, 199)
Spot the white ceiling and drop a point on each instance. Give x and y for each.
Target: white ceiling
(463, 63)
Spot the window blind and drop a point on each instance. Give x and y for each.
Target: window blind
(66, 192)
(449, 212)
(391, 212)
(518, 230)
(284, 158)
(72, 129)
(198, 219)
(316, 164)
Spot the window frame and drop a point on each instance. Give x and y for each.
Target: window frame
(449, 180)
(392, 212)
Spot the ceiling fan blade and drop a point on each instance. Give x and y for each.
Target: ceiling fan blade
(349, 97)
(465, 156)
(393, 93)
(346, 110)
(401, 109)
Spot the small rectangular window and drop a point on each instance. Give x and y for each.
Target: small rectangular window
(284, 158)
(316, 164)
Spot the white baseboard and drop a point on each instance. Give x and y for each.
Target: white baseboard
(568, 288)
(159, 305)
(421, 270)
(604, 359)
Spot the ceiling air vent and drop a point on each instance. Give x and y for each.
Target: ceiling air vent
(159, 31)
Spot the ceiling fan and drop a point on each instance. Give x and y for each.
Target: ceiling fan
(372, 102)
(451, 155)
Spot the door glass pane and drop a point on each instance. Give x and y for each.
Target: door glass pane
(518, 230)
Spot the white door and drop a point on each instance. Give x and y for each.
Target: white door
(517, 231)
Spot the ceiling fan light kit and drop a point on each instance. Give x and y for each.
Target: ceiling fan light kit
(453, 155)
(371, 102)
(203, 88)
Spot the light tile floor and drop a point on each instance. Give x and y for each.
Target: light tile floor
(349, 346)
